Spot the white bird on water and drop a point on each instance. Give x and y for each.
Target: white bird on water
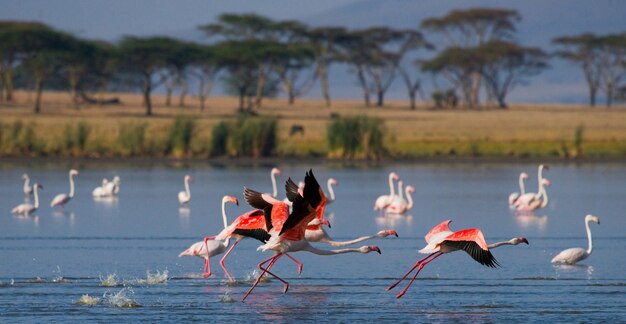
(28, 189)
(573, 255)
(385, 200)
(26, 208)
(62, 199)
(185, 196)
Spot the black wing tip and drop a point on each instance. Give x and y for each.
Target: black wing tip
(254, 199)
(291, 189)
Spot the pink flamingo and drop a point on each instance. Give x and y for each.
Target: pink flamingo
(400, 206)
(26, 208)
(573, 255)
(185, 196)
(442, 240)
(207, 249)
(287, 230)
(524, 199)
(515, 195)
(62, 199)
(384, 200)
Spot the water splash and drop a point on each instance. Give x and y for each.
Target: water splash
(59, 278)
(7, 284)
(252, 275)
(157, 278)
(37, 280)
(110, 281)
(88, 300)
(121, 299)
(226, 298)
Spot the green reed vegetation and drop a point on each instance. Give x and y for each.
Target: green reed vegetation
(354, 137)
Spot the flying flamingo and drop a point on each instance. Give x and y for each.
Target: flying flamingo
(26, 208)
(208, 248)
(573, 255)
(185, 196)
(28, 189)
(329, 184)
(442, 240)
(100, 191)
(287, 230)
(524, 199)
(515, 195)
(383, 201)
(540, 200)
(62, 199)
(400, 205)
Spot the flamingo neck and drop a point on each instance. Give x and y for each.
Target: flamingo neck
(539, 176)
(544, 195)
(71, 195)
(409, 199)
(313, 250)
(331, 192)
(26, 183)
(391, 189)
(330, 242)
(589, 237)
(521, 185)
(224, 214)
(495, 245)
(36, 198)
(187, 188)
(274, 188)
(400, 191)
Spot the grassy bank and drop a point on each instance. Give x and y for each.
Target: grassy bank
(123, 130)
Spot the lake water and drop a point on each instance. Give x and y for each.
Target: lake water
(49, 260)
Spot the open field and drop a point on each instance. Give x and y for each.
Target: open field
(522, 130)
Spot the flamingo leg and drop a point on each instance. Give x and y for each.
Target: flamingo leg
(272, 260)
(207, 261)
(285, 283)
(411, 270)
(297, 262)
(224, 258)
(421, 266)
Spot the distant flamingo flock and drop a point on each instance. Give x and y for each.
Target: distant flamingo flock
(289, 225)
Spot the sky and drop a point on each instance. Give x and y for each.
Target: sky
(541, 21)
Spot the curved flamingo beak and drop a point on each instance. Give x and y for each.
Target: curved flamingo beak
(523, 239)
(374, 248)
(392, 232)
(325, 222)
(234, 201)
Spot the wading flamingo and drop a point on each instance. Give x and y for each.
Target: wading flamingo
(287, 230)
(525, 199)
(185, 196)
(573, 255)
(401, 206)
(515, 195)
(331, 192)
(442, 240)
(540, 200)
(100, 191)
(28, 189)
(383, 201)
(62, 199)
(26, 208)
(208, 248)
(113, 187)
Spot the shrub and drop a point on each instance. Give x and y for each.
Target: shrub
(219, 139)
(356, 136)
(180, 135)
(131, 138)
(254, 137)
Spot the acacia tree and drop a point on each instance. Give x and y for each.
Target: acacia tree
(613, 64)
(469, 28)
(410, 42)
(505, 65)
(204, 66)
(323, 42)
(148, 58)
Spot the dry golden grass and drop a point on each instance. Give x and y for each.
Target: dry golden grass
(408, 129)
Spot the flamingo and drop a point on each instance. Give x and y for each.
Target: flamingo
(524, 199)
(273, 174)
(113, 187)
(208, 248)
(400, 205)
(287, 229)
(515, 195)
(329, 184)
(26, 208)
(384, 200)
(573, 255)
(62, 199)
(540, 200)
(100, 191)
(185, 196)
(28, 189)
(442, 240)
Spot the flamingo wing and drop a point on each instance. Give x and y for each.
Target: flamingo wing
(473, 242)
(291, 190)
(442, 227)
(256, 233)
(59, 200)
(570, 256)
(255, 199)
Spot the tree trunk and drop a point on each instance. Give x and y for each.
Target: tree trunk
(592, 96)
(323, 74)
(73, 82)
(259, 89)
(184, 88)
(381, 98)
(8, 84)
(39, 90)
(412, 94)
(501, 102)
(366, 90)
(169, 89)
(242, 95)
(147, 88)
